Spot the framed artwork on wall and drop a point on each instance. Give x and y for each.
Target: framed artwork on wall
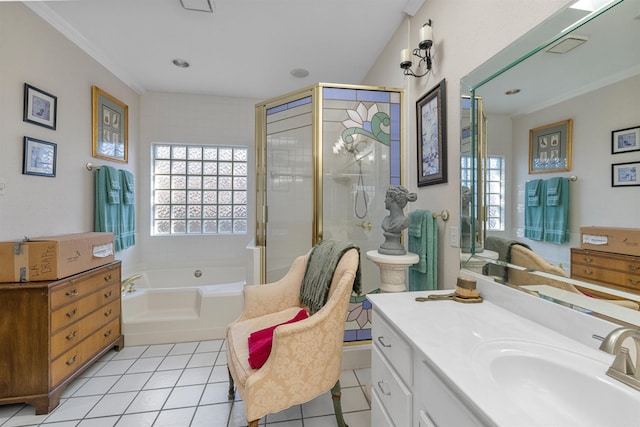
(550, 147)
(432, 136)
(110, 126)
(40, 107)
(39, 157)
(625, 140)
(625, 174)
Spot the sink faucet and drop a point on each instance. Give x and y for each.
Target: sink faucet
(622, 368)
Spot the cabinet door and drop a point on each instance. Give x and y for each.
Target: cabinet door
(379, 416)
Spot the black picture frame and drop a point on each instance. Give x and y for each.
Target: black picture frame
(625, 140)
(625, 174)
(39, 157)
(431, 110)
(40, 107)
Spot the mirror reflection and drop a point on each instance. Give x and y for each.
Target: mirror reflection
(550, 150)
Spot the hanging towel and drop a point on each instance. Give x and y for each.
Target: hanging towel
(534, 208)
(107, 203)
(423, 241)
(556, 214)
(127, 210)
(503, 248)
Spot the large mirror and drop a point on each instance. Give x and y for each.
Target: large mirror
(550, 145)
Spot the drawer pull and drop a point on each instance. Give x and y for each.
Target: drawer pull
(108, 294)
(72, 293)
(634, 282)
(72, 313)
(107, 277)
(588, 260)
(108, 313)
(588, 272)
(386, 393)
(633, 267)
(382, 343)
(72, 360)
(107, 334)
(72, 335)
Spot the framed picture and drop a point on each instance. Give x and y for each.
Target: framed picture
(110, 131)
(40, 107)
(625, 140)
(432, 136)
(550, 147)
(625, 174)
(39, 157)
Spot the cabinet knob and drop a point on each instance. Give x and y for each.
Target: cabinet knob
(107, 277)
(72, 293)
(382, 343)
(72, 335)
(588, 272)
(72, 313)
(382, 390)
(72, 360)
(107, 334)
(108, 313)
(588, 260)
(108, 294)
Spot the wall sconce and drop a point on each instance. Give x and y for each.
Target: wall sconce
(423, 52)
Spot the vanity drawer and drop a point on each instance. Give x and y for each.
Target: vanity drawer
(68, 314)
(73, 334)
(379, 416)
(393, 347)
(394, 396)
(82, 286)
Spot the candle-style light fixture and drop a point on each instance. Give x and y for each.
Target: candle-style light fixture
(423, 52)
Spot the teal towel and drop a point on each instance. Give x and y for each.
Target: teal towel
(107, 210)
(323, 259)
(423, 241)
(127, 210)
(556, 214)
(534, 210)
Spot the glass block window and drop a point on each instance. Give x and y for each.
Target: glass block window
(495, 189)
(198, 189)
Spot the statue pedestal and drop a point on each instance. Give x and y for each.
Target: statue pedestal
(393, 269)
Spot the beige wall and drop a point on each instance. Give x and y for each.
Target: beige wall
(466, 33)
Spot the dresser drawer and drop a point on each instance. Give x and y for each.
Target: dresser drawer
(622, 263)
(76, 357)
(624, 280)
(73, 334)
(78, 288)
(394, 396)
(393, 346)
(70, 313)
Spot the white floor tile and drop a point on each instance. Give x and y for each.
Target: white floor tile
(293, 423)
(97, 385)
(195, 376)
(219, 374)
(321, 405)
(115, 367)
(292, 413)
(149, 400)
(175, 418)
(144, 419)
(163, 379)
(182, 397)
(348, 379)
(112, 404)
(222, 359)
(208, 346)
(157, 350)
(364, 375)
(99, 422)
(93, 369)
(353, 399)
(183, 348)
(215, 393)
(25, 417)
(74, 408)
(202, 359)
(145, 364)
(131, 382)
(324, 421)
(174, 362)
(362, 418)
(130, 352)
(211, 415)
(61, 424)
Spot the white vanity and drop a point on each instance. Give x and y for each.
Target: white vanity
(444, 363)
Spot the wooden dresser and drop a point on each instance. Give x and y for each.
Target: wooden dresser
(51, 331)
(612, 270)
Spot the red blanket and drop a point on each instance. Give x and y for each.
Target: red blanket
(260, 341)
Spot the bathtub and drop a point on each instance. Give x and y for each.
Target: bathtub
(181, 304)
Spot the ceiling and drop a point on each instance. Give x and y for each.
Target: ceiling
(244, 48)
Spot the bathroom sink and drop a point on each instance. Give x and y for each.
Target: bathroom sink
(554, 386)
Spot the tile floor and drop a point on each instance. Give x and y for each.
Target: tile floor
(176, 385)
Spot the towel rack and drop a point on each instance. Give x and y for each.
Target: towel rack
(90, 166)
(573, 178)
(444, 215)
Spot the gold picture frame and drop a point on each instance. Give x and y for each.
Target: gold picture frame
(110, 130)
(550, 147)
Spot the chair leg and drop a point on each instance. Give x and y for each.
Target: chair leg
(253, 423)
(232, 389)
(337, 405)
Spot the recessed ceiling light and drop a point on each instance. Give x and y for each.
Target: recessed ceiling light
(512, 91)
(181, 63)
(299, 73)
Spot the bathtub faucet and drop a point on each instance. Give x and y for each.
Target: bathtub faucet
(129, 284)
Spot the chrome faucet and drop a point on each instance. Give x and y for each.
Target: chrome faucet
(622, 368)
(129, 284)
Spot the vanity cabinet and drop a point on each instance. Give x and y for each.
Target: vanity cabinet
(406, 390)
(612, 270)
(51, 331)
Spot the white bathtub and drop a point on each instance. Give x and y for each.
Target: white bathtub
(181, 305)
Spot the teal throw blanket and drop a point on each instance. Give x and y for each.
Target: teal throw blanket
(323, 259)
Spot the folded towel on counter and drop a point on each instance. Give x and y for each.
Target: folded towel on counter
(260, 342)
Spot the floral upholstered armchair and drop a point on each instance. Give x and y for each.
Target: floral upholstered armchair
(305, 356)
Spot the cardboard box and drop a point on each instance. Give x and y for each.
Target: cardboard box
(611, 239)
(55, 257)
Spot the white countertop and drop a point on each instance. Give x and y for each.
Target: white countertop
(448, 333)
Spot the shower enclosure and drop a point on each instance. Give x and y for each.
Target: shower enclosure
(325, 156)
